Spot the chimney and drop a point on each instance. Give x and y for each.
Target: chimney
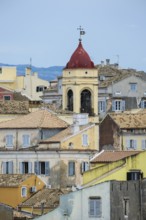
(102, 63)
(107, 61)
(75, 127)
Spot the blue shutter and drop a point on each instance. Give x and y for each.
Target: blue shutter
(143, 145)
(47, 168)
(128, 143)
(26, 140)
(29, 167)
(36, 167)
(71, 168)
(4, 167)
(20, 167)
(85, 139)
(123, 105)
(113, 105)
(142, 103)
(135, 144)
(9, 140)
(10, 167)
(104, 106)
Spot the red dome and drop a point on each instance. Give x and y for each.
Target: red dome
(80, 59)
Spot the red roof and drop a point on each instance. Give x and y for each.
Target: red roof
(111, 156)
(80, 59)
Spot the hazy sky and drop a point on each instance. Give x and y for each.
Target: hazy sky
(46, 31)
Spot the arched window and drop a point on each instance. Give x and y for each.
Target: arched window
(70, 100)
(86, 102)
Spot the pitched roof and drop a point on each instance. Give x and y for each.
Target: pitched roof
(130, 120)
(66, 133)
(112, 156)
(13, 180)
(49, 197)
(38, 119)
(116, 75)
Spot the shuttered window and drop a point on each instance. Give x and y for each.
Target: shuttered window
(143, 145)
(42, 168)
(7, 167)
(25, 167)
(84, 166)
(102, 106)
(131, 144)
(85, 140)
(23, 192)
(118, 105)
(95, 207)
(9, 140)
(71, 168)
(25, 140)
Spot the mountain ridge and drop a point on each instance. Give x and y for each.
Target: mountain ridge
(46, 73)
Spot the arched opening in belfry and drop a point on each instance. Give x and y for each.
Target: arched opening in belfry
(70, 100)
(86, 102)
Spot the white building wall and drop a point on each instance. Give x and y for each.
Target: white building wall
(76, 204)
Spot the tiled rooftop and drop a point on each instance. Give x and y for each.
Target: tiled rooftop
(111, 156)
(130, 120)
(116, 74)
(38, 119)
(12, 180)
(50, 198)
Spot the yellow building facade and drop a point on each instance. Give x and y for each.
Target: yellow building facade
(17, 188)
(132, 164)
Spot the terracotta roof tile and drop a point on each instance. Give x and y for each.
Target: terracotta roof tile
(130, 120)
(13, 180)
(111, 156)
(50, 198)
(38, 119)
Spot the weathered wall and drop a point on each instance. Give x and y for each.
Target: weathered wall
(6, 212)
(76, 204)
(108, 135)
(119, 191)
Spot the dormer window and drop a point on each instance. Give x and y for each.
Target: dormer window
(133, 87)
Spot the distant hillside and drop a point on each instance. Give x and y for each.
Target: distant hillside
(48, 73)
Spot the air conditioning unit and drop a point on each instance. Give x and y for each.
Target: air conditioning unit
(48, 186)
(33, 189)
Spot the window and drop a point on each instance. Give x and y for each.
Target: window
(85, 140)
(84, 166)
(134, 175)
(7, 97)
(126, 207)
(25, 167)
(23, 191)
(118, 105)
(71, 168)
(9, 140)
(95, 207)
(0, 70)
(39, 88)
(133, 87)
(143, 104)
(26, 140)
(101, 106)
(131, 144)
(42, 168)
(143, 145)
(7, 167)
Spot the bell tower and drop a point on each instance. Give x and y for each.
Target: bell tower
(80, 83)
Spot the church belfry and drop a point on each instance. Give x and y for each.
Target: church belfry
(80, 83)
